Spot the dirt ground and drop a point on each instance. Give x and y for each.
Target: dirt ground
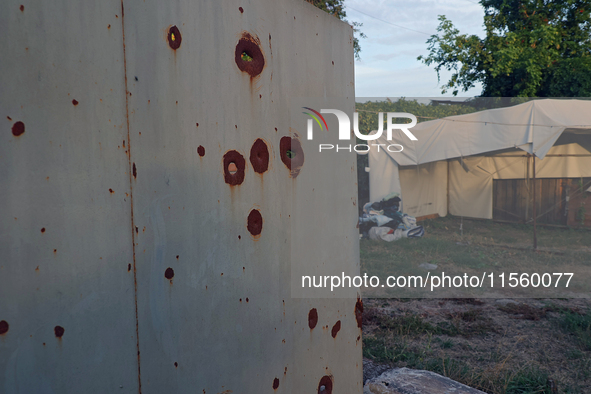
(500, 346)
(487, 344)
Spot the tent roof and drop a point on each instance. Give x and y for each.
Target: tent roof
(533, 127)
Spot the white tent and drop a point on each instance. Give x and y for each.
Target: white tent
(452, 164)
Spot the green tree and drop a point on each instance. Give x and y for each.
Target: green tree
(335, 7)
(532, 48)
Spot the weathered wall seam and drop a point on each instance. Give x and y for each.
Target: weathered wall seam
(131, 200)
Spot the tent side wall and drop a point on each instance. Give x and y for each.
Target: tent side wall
(423, 188)
(469, 183)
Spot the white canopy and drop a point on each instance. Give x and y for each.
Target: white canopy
(533, 127)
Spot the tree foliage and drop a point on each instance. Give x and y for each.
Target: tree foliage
(335, 7)
(368, 111)
(532, 48)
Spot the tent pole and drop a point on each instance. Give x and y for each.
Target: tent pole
(462, 217)
(448, 186)
(527, 185)
(534, 207)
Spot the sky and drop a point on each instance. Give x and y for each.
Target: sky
(389, 65)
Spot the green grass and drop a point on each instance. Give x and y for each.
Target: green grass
(395, 350)
(409, 340)
(579, 326)
(452, 344)
(465, 324)
(529, 380)
(509, 233)
(485, 246)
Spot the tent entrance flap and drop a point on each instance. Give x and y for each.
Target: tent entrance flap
(470, 188)
(424, 189)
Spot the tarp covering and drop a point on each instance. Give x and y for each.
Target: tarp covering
(485, 145)
(533, 127)
(562, 161)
